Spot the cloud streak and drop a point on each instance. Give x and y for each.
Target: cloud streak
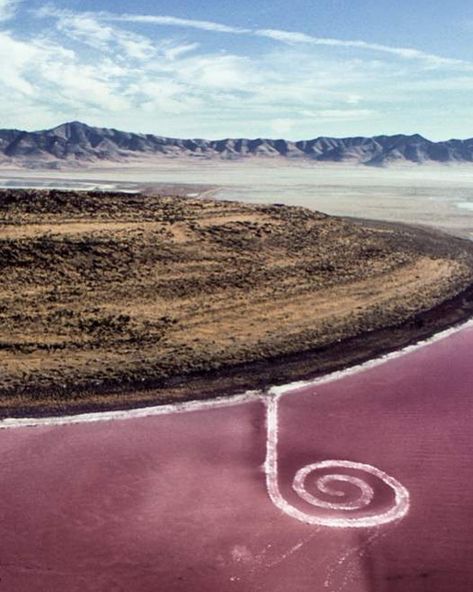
(293, 37)
(171, 21)
(8, 9)
(50, 10)
(116, 70)
(278, 35)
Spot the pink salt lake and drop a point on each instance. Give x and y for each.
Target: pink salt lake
(179, 501)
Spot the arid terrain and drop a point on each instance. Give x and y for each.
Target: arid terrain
(107, 294)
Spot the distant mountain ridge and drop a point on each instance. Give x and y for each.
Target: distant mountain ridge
(76, 142)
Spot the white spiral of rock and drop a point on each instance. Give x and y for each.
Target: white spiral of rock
(329, 484)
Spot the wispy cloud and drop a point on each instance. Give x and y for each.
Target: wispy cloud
(189, 84)
(49, 10)
(282, 36)
(89, 30)
(8, 9)
(294, 37)
(96, 31)
(51, 73)
(177, 22)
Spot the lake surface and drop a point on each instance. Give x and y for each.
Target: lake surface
(180, 501)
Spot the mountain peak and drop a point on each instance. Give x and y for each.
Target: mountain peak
(71, 125)
(79, 142)
(418, 137)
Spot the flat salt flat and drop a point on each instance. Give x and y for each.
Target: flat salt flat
(440, 196)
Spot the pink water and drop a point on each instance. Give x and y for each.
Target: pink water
(179, 502)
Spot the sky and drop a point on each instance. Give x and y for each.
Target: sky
(247, 68)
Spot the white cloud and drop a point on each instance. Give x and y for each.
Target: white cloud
(8, 9)
(48, 72)
(175, 86)
(225, 72)
(288, 37)
(80, 85)
(90, 28)
(293, 37)
(15, 57)
(172, 51)
(49, 10)
(161, 95)
(340, 114)
(87, 29)
(176, 22)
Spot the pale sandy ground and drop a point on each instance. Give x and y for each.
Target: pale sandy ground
(440, 196)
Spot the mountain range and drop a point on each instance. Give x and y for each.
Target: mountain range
(78, 143)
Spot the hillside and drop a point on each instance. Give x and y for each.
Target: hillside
(113, 299)
(79, 144)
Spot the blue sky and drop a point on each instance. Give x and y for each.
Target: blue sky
(208, 68)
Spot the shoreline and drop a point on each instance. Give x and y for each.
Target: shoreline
(226, 400)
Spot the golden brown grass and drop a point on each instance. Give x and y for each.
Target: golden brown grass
(108, 289)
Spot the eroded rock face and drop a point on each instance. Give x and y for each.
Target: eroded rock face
(77, 142)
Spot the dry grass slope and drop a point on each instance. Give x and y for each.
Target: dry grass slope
(105, 290)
